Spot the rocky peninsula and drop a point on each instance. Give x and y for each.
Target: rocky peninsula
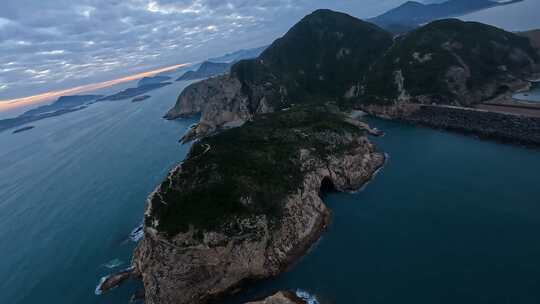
(246, 203)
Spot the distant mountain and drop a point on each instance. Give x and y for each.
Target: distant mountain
(220, 65)
(63, 105)
(207, 69)
(68, 104)
(240, 55)
(134, 92)
(412, 14)
(153, 80)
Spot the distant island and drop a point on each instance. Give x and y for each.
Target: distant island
(23, 129)
(63, 105)
(68, 104)
(140, 98)
(153, 80)
(412, 14)
(207, 69)
(145, 85)
(220, 65)
(240, 55)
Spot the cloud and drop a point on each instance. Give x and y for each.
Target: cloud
(56, 44)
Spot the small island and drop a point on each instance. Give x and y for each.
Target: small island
(23, 129)
(140, 98)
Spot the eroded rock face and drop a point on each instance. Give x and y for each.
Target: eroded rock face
(196, 266)
(197, 96)
(222, 102)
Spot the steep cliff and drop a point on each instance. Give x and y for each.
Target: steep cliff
(246, 203)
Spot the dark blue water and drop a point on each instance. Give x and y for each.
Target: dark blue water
(71, 191)
(450, 219)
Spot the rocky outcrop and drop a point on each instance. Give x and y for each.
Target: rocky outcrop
(114, 280)
(222, 102)
(282, 297)
(195, 97)
(518, 129)
(197, 265)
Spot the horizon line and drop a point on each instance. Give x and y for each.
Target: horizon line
(10, 104)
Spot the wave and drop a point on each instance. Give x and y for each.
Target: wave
(137, 234)
(306, 296)
(98, 287)
(113, 263)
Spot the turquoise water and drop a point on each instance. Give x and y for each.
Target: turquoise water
(71, 191)
(450, 219)
(532, 95)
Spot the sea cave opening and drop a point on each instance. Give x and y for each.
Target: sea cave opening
(327, 187)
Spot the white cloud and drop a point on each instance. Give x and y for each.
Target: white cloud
(4, 22)
(52, 53)
(56, 42)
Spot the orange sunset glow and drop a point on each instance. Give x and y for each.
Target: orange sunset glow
(11, 104)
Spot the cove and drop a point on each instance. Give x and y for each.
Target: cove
(450, 219)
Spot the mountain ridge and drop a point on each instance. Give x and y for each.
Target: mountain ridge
(331, 56)
(412, 14)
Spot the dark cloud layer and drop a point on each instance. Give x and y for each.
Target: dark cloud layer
(54, 44)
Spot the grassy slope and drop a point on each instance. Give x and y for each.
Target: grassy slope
(259, 161)
(483, 48)
(319, 58)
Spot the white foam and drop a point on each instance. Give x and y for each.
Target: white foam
(98, 287)
(137, 234)
(113, 263)
(306, 296)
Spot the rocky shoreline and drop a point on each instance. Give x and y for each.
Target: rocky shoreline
(282, 297)
(199, 265)
(246, 203)
(504, 127)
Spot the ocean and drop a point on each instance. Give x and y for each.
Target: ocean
(450, 218)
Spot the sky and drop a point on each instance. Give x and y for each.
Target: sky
(58, 44)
